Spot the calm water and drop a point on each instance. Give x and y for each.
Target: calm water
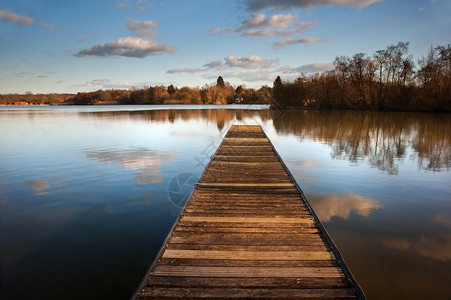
(88, 194)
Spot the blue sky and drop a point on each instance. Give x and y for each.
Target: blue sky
(70, 46)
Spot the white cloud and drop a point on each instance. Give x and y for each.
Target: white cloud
(260, 20)
(251, 62)
(289, 41)
(255, 5)
(215, 64)
(143, 29)
(279, 25)
(308, 68)
(128, 47)
(244, 62)
(184, 70)
(300, 28)
(140, 47)
(22, 20)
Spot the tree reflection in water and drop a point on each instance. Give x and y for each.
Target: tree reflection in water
(382, 139)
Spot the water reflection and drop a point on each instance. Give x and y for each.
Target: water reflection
(443, 219)
(72, 192)
(2, 197)
(221, 117)
(431, 246)
(40, 187)
(147, 161)
(341, 205)
(382, 139)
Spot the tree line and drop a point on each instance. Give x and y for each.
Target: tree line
(388, 80)
(220, 92)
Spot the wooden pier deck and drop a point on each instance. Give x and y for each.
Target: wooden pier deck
(247, 232)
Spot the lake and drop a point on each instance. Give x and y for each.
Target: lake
(88, 194)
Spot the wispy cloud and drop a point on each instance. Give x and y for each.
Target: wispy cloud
(141, 5)
(230, 62)
(215, 31)
(111, 84)
(185, 70)
(308, 68)
(289, 41)
(252, 76)
(250, 68)
(216, 64)
(138, 47)
(255, 5)
(251, 62)
(48, 26)
(300, 28)
(143, 29)
(11, 17)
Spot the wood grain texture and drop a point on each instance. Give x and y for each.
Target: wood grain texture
(246, 233)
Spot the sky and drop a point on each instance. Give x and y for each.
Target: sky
(54, 46)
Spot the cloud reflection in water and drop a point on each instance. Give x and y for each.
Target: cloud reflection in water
(341, 205)
(145, 160)
(437, 247)
(40, 187)
(2, 198)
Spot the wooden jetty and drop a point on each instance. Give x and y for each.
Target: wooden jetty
(247, 232)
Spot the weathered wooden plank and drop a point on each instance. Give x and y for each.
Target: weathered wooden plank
(248, 263)
(247, 240)
(278, 283)
(249, 220)
(237, 185)
(244, 293)
(295, 226)
(245, 272)
(261, 230)
(238, 215)
(248, 255)
(250, 236)
(247, 204)
(247, 233)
